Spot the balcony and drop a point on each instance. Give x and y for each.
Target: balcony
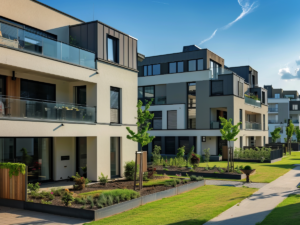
(216, 125)
(271, 109)
(216, 71)
(39, 110)
(273, 122)
(253, 102)
(295, 121)
(156, 101)
(253, 126)
(24, 40)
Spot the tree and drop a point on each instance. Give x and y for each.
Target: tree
(229, 133)
(276, 134)
(142, 136)
(289, 133)
(297, 132)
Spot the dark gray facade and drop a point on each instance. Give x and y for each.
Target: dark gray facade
(248, 73)
(176, 93)
(93, 36)
(283, 112)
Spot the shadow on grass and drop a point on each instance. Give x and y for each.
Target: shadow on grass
(285, 166)
(184, 222)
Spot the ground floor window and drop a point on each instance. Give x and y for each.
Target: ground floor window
(170, 146)
(114, 157)
(36, 153)
(81, 156)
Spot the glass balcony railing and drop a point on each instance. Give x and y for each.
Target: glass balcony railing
(253, 126)
(156, 101)
(272, 109)
(24, 40)
(216, 125)
(251, 101)
(216, 71)
(273, 121)
(27, 109)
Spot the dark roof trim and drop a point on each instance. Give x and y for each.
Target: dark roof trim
(97, 21)
(36, 1)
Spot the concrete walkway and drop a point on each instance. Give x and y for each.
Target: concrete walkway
(12, 216)
(255, 208)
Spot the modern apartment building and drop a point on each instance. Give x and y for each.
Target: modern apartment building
(283, 106)
(191, 90)
(67, 91)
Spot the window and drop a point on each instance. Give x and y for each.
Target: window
(157, 141)
(81, 155)
(217, 87)
(112, 49)
(152, 70)
(170, 145)
(264, 121)
(172, 120)
(289, 96)
(184, 141)
(215, 68)
(157, 120)
(241, 142)
(295, 107)
(191, 106)
(240, 89)
(80, 95)
(264, 140)
(263, 97)
(38, 90)
(146, 93)
(114, 105)
(277, 95)
(176, 67)
(195, 64)
(114, 157)
(241, 118)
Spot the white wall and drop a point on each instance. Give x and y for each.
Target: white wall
(64, 146)
(181, 114)
(211, 143)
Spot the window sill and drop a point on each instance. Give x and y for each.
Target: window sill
(115, 124)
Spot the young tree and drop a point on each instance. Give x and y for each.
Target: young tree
(142, 136)
(297, 132)
(289, 133)
(276, 134)
(229, 132)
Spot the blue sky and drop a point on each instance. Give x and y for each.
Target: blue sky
(265, 34)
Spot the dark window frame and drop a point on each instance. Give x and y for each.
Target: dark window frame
(144, 93)
(37, 82)
(176, 62)
(194, 106)
(3, 78)
(152, 121)
(116, 48)
(119, 103)
(197, 69)
(147, 66)
(241, 118)
(169, 137)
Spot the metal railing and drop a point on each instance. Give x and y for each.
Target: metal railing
(253, 126)
(29, 109)
(251, 101)
(216, 125)
(273, 121)
(156, 101)
(272, 109)
(24, 40)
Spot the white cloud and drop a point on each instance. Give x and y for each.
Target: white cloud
(207, 39)
(246, 7)
(286, 74)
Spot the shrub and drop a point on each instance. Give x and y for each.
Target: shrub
(206, 156)
(241, 167)
(191, 170)
(206, 168)
(67, 199)
(222, 171)
(110, 200)
(34, 187)
(129, 170)
(78, 200)
(199, 178)
(57, 191)
(194, 178)
(181, 151)
(256, 154)
(165, 169)
(103, 180)
(145, 176)
(45, 202)
(156, 155)
(247, 167)
(80, 183)
(116, 196)
(216, 172)
(171, 183)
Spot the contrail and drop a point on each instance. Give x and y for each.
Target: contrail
(209, 37)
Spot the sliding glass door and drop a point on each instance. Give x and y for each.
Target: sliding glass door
(81, 156)
(36, 153)
(114, 157)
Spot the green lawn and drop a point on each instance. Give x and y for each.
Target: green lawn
(265, 172)
(194, 207)
(287, 212)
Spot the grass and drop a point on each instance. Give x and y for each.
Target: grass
(194, 207)
(155, 182)
(287, 212)
(265, 172)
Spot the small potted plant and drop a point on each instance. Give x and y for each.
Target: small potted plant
(248, 171)
(103, 179)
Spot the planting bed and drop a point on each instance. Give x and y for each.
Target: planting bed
(200, 171)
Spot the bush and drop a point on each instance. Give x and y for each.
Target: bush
(129, 170)
(34, 187)
(241, 167)
(194, 178)
(255, 154)
(181, 151)
(117, 195)
(67, 199)
(247, 167)
(57, 191)
(145, 176)
(103, 180)
(170, 183)
(45, 202)
(156, 155)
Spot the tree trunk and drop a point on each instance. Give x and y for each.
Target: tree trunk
(228, 155)
(135, 167)
(141, 171)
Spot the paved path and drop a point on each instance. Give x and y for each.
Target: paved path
(234, 183)
(26, 217)
(255, 208)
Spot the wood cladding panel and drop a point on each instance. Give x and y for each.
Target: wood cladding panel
(134, 54)
(121, 49)
(100, 41)
(13, 89)
(14, 187)
(130, 53)
(106, 30)
(126, 51)
(144, 160)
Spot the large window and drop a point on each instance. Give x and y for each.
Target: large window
(184, 141)
(216, 87)
(277, 95)
(176, 67)
(191, 106)
(112, 49)
(2, 85)
(195, 64)
(215, 68)
(241, 118)
(263, 97)
(157, 120)
(170, 145)
(81, 156)
(114, 157)
(157, 141)
(36, 153)
(146, 93)
(38, 90)
(264, 121)
(80, 95)
(114, 105)
(240, 89)
(295, 107)
(152, 70)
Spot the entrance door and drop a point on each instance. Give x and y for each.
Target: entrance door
(114, 157)
(220, 144)
(81, 156)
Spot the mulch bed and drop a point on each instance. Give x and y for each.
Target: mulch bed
(110, 186)
(184, 170)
